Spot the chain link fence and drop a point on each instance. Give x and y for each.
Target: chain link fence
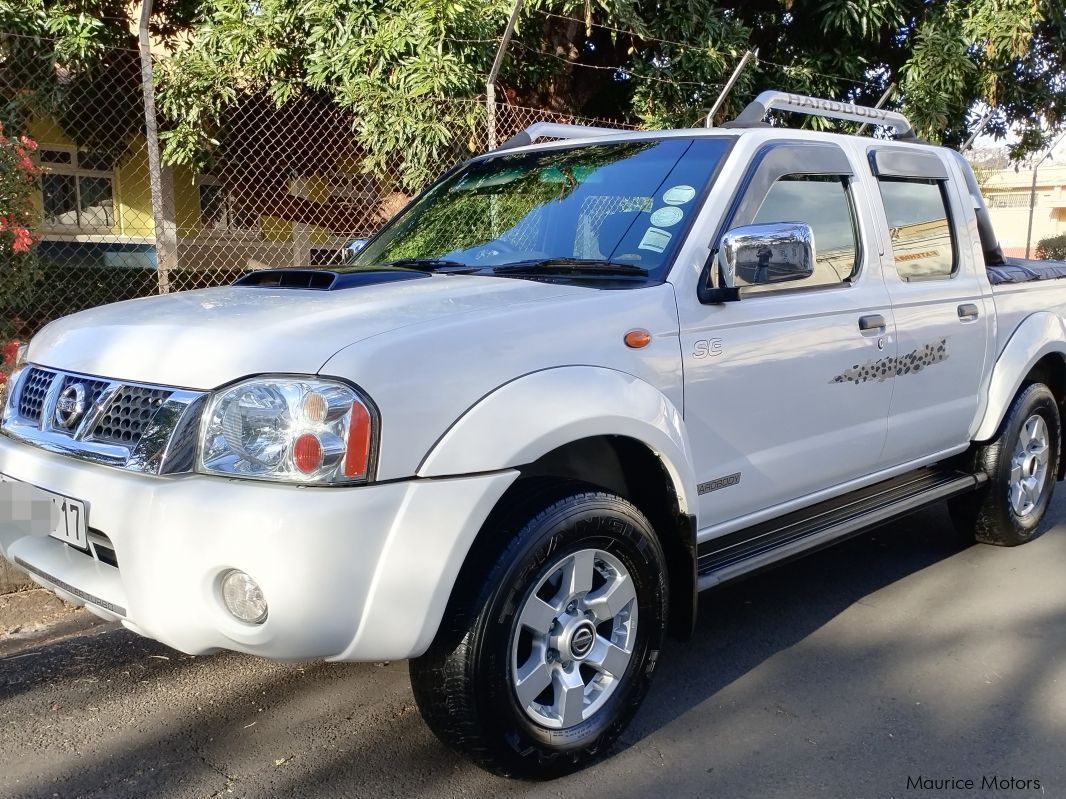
(287, 187)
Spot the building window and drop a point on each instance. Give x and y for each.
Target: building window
(77, 190)
(218, 211)
(1014, 199)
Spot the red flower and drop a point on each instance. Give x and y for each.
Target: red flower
(23, 239)
(10, 351)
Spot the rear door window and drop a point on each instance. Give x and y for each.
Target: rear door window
(923, 241)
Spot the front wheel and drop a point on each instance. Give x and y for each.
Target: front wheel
(548, 647)
(1021, 464)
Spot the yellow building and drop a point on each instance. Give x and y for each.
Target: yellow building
(96, 210)
(1007, 192)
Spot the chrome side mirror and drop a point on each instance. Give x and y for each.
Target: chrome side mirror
(351, 249)
(755, 255)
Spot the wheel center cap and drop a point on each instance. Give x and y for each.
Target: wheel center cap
(582, 637)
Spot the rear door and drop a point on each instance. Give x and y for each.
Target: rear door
(784, 390)
(938, 300)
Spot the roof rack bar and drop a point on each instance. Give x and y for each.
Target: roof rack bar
(555, 130)
(767, 101)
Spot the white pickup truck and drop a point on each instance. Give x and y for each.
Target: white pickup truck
(569, 387)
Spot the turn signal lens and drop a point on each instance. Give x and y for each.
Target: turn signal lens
(315, 408)
(637, 339)
(357, 456)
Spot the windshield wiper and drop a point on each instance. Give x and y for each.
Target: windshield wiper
(430, 264)
(573, 266)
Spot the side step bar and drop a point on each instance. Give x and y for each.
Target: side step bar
(746, 551)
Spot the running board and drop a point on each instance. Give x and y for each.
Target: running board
(744, 551)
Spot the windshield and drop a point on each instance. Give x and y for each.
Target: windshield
(619, 206)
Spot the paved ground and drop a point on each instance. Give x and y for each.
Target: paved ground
(902, 654)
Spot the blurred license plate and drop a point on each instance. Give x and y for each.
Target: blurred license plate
(68, 518)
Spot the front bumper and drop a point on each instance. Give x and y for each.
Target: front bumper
(360, 573)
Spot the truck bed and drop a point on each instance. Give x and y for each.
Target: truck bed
(1022, 270)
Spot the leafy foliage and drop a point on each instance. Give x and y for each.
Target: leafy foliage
(392, 63)
(1052, 248)
(387, 62)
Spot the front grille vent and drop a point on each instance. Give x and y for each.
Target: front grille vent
(128, 415)
(34, 389)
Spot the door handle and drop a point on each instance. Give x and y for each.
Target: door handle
(968, 312)
(871, 322)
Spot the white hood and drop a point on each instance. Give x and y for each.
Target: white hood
(206, 338)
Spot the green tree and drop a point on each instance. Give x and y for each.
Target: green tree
(398, 66)
(657, 64)
(77, 61)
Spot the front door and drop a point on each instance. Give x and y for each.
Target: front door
(786, 390)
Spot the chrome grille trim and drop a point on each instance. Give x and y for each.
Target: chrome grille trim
(115, 431)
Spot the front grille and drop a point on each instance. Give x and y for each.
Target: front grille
(128, 415)
(34, 389)
(125, 425)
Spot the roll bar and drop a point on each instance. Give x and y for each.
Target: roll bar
(753, 114)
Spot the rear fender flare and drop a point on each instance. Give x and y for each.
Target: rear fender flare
(1039, 335)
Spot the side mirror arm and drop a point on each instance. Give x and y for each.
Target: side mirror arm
(710, 294)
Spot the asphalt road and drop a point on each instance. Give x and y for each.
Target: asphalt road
(903, 654)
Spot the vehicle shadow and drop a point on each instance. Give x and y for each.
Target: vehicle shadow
(741, 625)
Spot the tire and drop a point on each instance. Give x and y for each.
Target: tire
(1022, 466)
(495, 643)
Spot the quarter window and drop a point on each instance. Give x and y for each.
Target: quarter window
(923, 243)
(823, 202)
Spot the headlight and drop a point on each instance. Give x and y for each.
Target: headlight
(20, 354)
(294, 430)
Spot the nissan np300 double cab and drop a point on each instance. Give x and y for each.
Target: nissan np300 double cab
(567, 388)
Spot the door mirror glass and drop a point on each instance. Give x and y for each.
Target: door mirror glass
(756, 255)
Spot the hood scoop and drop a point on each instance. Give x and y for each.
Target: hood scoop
(324, 279)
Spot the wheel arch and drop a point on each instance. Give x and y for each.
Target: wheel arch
(629, 468)
(593, 426)
(1036, 352)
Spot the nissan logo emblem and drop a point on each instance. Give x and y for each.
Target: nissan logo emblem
(581, 643)
(70, 406)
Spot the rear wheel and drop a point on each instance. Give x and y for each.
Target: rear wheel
(1021, 464)
(548, 646)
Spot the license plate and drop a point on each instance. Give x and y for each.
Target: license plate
(69, 520)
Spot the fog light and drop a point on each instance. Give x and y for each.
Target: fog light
(243, 597)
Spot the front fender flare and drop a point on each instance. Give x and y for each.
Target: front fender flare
(1038, 335)
(542, 411)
